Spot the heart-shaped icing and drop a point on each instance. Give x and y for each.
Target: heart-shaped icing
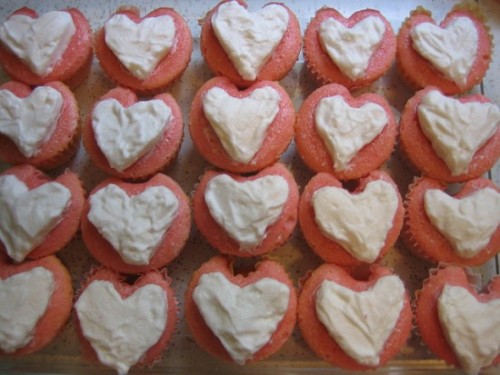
(39, 42)
(25, 297)
(470, 327)
(451, 50)
(359, 222)
(249, 39)
(29, 122)
(124, 135)
(121, 330)
(345, 129)
(361, 322)
(244, 319)
(456, 130)
(241, 123)
(140, 46)
(246, 209)
(351, 48)
(135, 225)
(29, 215)
(469, 222)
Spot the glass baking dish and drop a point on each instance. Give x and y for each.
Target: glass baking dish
(183, 355)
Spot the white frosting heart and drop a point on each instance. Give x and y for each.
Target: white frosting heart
(359, 222)
(456, 130)
(29, 215)
(244, 319)
(468, 223)
(39, 42)
(121, 330)
(241, 124)
(140, 46)
(249, 39)
(25, 297)
(135, 225)
(351, 48)
(246, 209)
(451, 50)
(124, 135)
(30, 122)
(470, 327)
(345, 130)
(361, 322)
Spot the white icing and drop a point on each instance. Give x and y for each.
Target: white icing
(124, 135)
(25, 297)
(30, 122)
(241, 124)
(140, 46)
(456, 130)
(361, 322)
(39, 42)
(451, 50)
(121, 330)
(246, 209)
(249, 39)
(345, 130)
(351, 48)
(29, 215)
(135, 225)
(468, 223)
(244, 319)
(359, 222)
(470, 327)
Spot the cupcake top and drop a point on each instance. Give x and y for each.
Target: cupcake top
(240, 318)
(37, 49)
(40, 215)
(350, 228)
(131, 138)
(145, 54)
(250, 46)
(453, 55)
(462, 228)
(36, 304)
(450, 139)
(135, 227)
(352, 51)
(38, 124)
(344, 135)
(125, 325)
(241, 130)
(354, 324)
(457, 322)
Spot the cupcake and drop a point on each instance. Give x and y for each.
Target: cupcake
(248, 46)
(458, 323)
(240, 318)
(354, 324)
(241, 131)
(40, 215)
(37, 297)
(123, 325)
(55, 46)
(352, 51)
(135, 227)
(246, 216)
(38, 126)
(345, 136)
(133, 139)
(144, 54)
(351, 228)
(453, 56)
(450, 139)
(462, 229)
